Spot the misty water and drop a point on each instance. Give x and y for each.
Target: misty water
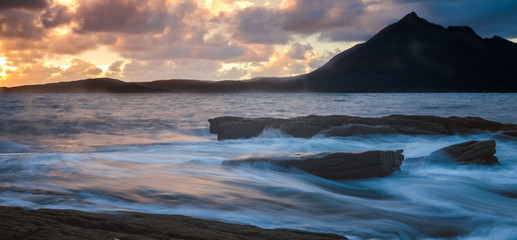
(154, 154)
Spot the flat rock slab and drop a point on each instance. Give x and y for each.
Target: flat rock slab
(475, 152)
(331, 165)
(367, 164)
(19, 223)
(338, 125)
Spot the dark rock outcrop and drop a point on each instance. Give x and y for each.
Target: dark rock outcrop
(475, 152)
(332, 165)
(236, 127)
(343, 126)
(19, 223)
(368, 164)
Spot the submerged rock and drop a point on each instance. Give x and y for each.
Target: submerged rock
(332, 165)
(476, 152)
(309, 126)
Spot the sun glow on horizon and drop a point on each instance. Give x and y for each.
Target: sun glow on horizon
(5, 67)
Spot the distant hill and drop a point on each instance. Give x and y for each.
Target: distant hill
(287, 84)
(97, 85)
(411, 55)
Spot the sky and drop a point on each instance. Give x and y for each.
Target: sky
(44, 41)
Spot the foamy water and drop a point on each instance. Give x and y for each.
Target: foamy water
(154, 153)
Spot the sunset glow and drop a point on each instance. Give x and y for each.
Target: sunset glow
(57, 40)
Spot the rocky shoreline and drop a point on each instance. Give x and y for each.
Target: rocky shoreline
(19, 223)
(364, 164)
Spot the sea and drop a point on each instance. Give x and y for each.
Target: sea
(154, 153)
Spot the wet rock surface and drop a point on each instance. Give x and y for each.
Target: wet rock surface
(19, 223)
(332, 165)
(368, 164)
(475, 152)
(343, 126)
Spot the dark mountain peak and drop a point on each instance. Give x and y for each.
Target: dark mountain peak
(411, 17)
(415, 55)
(409, 27)
(413, 20)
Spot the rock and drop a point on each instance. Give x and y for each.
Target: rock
(309, 126)
(332, 165)
(476, 152)
(510, 133)
(237, 127)
(368, 164)
(358, 129)
(19, 223)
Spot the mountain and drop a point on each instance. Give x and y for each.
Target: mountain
(96, 85)
(411, 55)
(414, 55)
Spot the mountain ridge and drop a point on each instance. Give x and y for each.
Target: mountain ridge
(411, 55)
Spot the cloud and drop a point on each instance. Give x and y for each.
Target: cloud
(125, 16)
(307, 16)
(36, 73)
(25, 4)
(21, 57)
(320, 59)
(19, 24)
(260, 25)
(232, 73)
(181, 69)
(298, 51)
(292, 60)
(79, 69)
(302, 17)
(55, 16)
(116, 66)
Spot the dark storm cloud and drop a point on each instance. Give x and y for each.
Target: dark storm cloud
(127, 16)
(19, 24)
(25, 4)
(55, 16)
(260, 25)
(305, 17)
(308, 16)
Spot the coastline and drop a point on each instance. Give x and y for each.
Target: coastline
(20, 223)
